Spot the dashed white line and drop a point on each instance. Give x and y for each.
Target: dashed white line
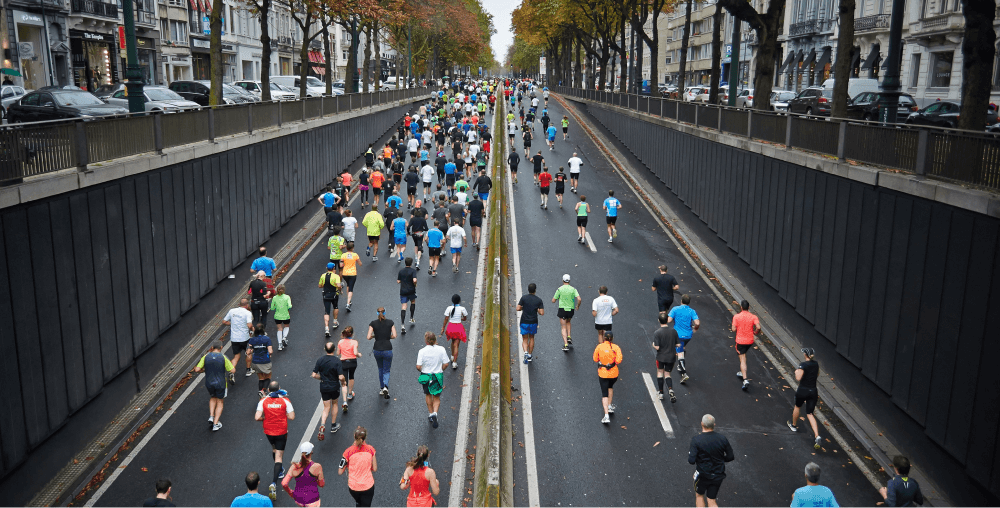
(660, 412)
(590, 242)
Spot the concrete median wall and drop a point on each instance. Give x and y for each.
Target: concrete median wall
(907, 288)
(92, 277)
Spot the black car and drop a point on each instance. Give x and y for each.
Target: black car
(198, 91)
(944, 114)
(864, 106)
(812, 101)
(57, 104)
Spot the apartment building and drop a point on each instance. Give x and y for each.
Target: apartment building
(699, 60)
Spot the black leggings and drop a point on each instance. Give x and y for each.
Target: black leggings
(259, 309)
(363, 497)
(364, 195)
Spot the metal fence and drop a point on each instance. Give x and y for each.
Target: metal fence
(964, 156)
(44, 147)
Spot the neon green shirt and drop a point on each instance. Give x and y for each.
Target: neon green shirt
(336, 246)
(280, 305)
(566, 295)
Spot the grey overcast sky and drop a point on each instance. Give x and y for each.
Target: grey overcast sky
(501, 10)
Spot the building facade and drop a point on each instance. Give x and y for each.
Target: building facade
(37, 42)
(699, 60)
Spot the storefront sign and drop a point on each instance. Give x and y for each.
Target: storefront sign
(121, 37)
(200, 43)
(93, 36)
(28, 18)
(26, 50)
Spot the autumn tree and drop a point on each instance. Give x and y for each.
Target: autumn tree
(685, 41)
(262, 10)
(766, 24)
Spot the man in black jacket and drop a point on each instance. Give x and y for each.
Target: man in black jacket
(709, 453)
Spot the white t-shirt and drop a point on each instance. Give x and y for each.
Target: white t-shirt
(462, 197)
(471, 136)
(473, 150)
(534, 102)
(432, 359)
(238, 319)
(288, 405)
(427, 173)
(574, 164)
(427, 137)
(412, 145)
(603, 304)
(456, 234)
(511, 128)
(349, 223)
(455, 313)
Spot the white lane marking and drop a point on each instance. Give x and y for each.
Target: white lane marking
(590, 242)
(313, 423)
(142, 444)
(660, 412)
(526, 415)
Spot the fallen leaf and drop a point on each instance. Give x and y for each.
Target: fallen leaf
(656, 444)
(144, 470)
(624, 427)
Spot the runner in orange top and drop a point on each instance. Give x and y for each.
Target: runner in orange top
(607, 356)
(387, 155)
(359, 462)
(350, 262)
(745, 325)
(420, 479)
(377, 178)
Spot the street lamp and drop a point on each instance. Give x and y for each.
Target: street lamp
(133, 73)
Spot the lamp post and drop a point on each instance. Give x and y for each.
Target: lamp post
(891, 83)
(355, 84)
(133, 73)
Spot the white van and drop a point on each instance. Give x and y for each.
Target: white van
(856, 86)
(314, 87)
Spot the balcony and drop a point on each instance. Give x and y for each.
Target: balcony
(811, 27)
(94, 8)
(940, 28)
(145, 18)
(870, 23)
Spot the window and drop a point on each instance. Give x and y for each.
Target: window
(941, 68)
(164, 29)
(178, 31)
(996, 72)
(915, 69)
(178, 3)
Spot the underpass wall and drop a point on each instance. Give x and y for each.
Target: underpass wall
(91, 278)
(906, 288)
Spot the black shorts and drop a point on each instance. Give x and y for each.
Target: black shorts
(561, 189)
(536, 170)
(707, 488)
(667, 366)
(427, 185)
(575, 176)
(335, 303)
(418, 241)
(427, 389)
(377, 191)
(217, 392)
(664, 305)
(329, 394)
(433, 251)
(374, 238)
(527, 143)
(476, 222)
(612, 220)
(565, 130)
(350, 280)
(277, 442)
(411, 191)
(513, 168)
(413, 156)
(347, 367)
(544, 190)
(743, 348)
(565, 314)
(807, 397)
(606, 328)
(239, 348)
(282, 321)
(581, 221)
(607, 383)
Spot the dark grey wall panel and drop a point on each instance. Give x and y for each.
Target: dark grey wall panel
(100, 273)
(908, 290)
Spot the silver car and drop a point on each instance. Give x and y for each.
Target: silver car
(158, 98)
(9, 94)
(779, 100)
(745, 98)
(277, 91)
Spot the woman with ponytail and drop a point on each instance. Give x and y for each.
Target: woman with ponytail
(359, 461)
(383, 331)
(308, 477)
(420, 479)
(452, 327)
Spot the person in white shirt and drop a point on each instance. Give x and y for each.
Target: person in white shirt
(473, 150)
(452, 327)
(603, 308)
(240, 321)
(431, 362)
(511, 131)
(534, 102)
(457, 240)
(350, 225)
(574, 171)
(427, 138)
(471, 136)
(413, 146)
(426, 175)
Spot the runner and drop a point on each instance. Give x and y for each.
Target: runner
(666, 344)
(901, 489)
(582, 210)
(329, 370)
(526, 137)
(420, 479)
(476, 208)
(569, 301)
(275, 411)
(240, 322)
(449, 176)
(456, 211)
(393, 200)
(813, 494)
(432, 359)
(350, 262)
(412, 182)
(259, 295)
(546, 120)
(603, 308)
(664, 284)
(746, 325)
(413, 146)
(364, 185)
(407, 280)
(347, 348)
(456, 240)
(575, 163)
(686, 322)
(560, 179)
(709, 452)
(565, 127)
(611, 206)
(374, 223)
(336, 243)
(544, 183)
(308, 477)
(359, 461)
(550, 131)
(350, 225)
(399, 237)
(435, 239)
(216, 368)
(370, 155)
(806, 374)
(483, 185)
(511, 130)
(378, 179)
(383, 331)
(260, 349)
(417, 228)
(530, 307)
(162, 497)
(252, 498)
(332, 286)
(452, 326)
(607, 356)
(263, 263)
(328, 199)
(538, 162)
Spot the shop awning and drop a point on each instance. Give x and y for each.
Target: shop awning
(10, 72)
(195, 6)
(788, 60)
(319, 69)
(208, 6)
(823, 59)
(873, 57)
(316, 57)
(810, 58)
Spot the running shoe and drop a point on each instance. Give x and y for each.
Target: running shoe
(454, 365)
(610, 240)
(404, 330)
(569, 340)
(334, 428)
(739, 374)
(399, 259)
(579, 239)
(606, 420)
(454, 269)
(272, 492)
(546, 207)
(350, 396)
(816, 443)
(614, 232)
(541, 205)
(611, 409)
(430, 419)
(374, 259)
(216, 427)
(791, 427)
(434, 423)
(368, 251)
(746, 384)
(250, 372)
(525, 362)
(673, 397)
(381, 391)
(660, 395)
(232, 378)
(261, 394)
(211, 419)
(281, 345)
(684, 378)
(336, 324)
(345, 407)
(281, 475)
(565, 347)
(321, 435)
(412, 322)
(386, 393)
(348, 307)
(531, 358)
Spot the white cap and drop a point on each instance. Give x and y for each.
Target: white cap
(306, 448)
(565, 277)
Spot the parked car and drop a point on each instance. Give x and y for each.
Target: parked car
(59, 87)
(198, 91)
(158, 98)
(865, 106)
(702, 95)
(856, 86)
(9, 94)
(745, 98)
(278, 92)
(690, 93)
(247, 94)
(57, 104)
(812, 101)
(105, 91)
(995, 128)
(314, 87)
(779, 100)
(943, 114)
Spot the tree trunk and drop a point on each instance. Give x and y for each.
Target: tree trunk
(682, 77)
(215, 54)
(304, 66)
(842, 65)
(978, 51)
(377, 51)
(768, 38)
(327, 74)
(601, 76)
(654, 57)
(622, 58)
(265, 52)
(577, 70)
(366, 65)
(713, 94)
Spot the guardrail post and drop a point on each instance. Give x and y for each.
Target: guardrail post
(696, 108)
(322, 106)
(841, 140)
(82, 157)
(302, 104)
(923, 151)
(211, 125)
(250, 119)
(662, 102)
(279, 113)
(749, 124)
(788, 133)
(720, 119)
(158, 132)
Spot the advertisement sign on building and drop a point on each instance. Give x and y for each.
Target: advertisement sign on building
(541, 65)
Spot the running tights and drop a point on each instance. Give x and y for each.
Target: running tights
(277, 471)
(363, 497)
(364, 195)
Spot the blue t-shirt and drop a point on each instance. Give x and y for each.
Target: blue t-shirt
(399, 228)
(473, 98)
(251, 501)
(466, 127)
(683, 316)
(611, 203)
(434, 238)
(415, 126)
(260, 343)
(551, 131)
(449, 168)
(394, 201)
(329, 200)
(814, 495)
(424, 155)
(264, 263)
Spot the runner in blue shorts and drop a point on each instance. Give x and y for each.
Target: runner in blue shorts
(551, 132)
(399, 237)
(685, 321)
(530, 307)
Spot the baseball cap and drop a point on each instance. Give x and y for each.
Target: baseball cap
(329, 266)
(808, 351)
(306, 448)
(565, 277)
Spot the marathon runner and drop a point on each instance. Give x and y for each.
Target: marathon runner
(746, 325)
(544, 181)
(417, 228)
(666, 344)
(565, 127)
(456, 240)
(475, 209)
(538, 162)
(526, 138)
(260, 349)
(709, 452)
(412, 182)
(420, 479)
(432, 359)
(240, 322)
(374, 223)
(611, 206)
(399, 237)
(407, 280)
(530, 307)
(569, 301)
(359, 461)
(427, 173)
(664, 284)
(216, 368)
(275, 410)
(331, 284)
(435, 238)
(806, 394)
(347, 348)
(329, 371)
(308, 476)
(686, 322)
(513, 160)
(452, 327)
(350, 262)
(582, 211)
(575, 163)
(603, 308)
(383, 331)
(608, 356)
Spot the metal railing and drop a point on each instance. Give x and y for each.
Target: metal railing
(813, 26)
(103, 9)
(38, 148)
(964, 156)
(878, 21)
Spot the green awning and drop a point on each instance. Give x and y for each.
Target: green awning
(10, 72)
